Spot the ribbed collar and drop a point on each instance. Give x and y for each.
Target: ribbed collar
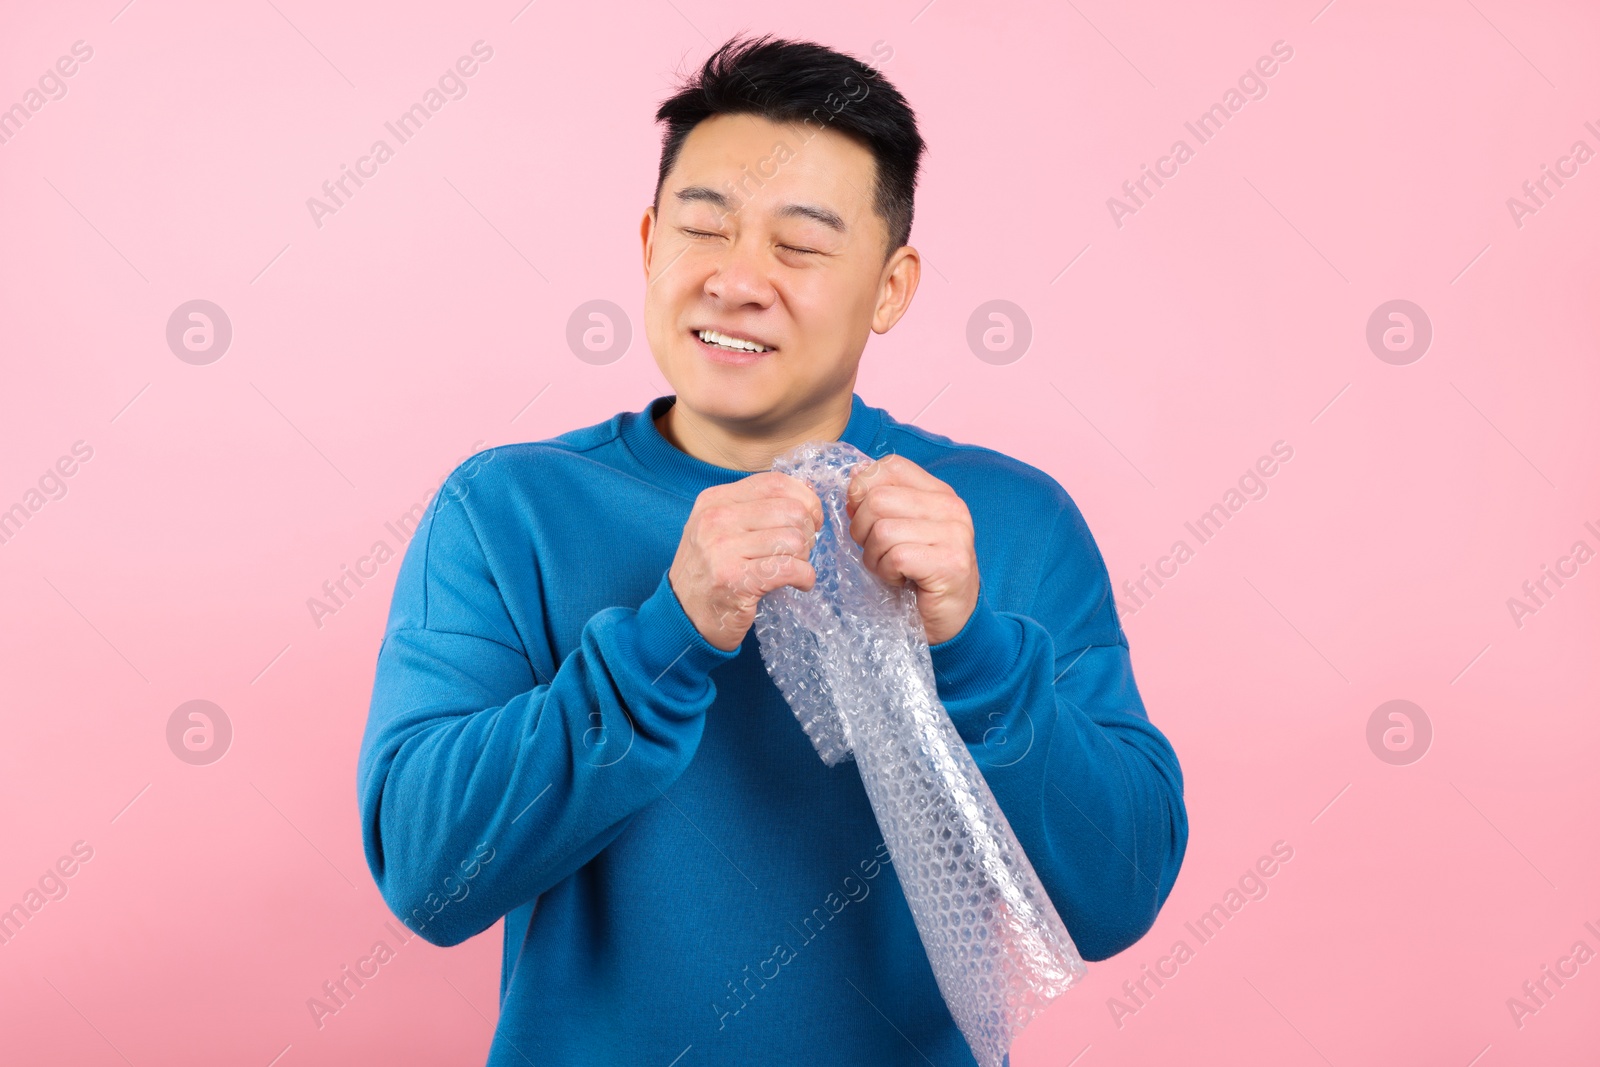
(675, 469)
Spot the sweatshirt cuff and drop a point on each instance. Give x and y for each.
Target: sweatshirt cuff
(974, 661)
(672, 652)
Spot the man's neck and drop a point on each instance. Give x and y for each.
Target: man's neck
(713, 443)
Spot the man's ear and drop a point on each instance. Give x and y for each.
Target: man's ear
(647, 233)
(900, 277)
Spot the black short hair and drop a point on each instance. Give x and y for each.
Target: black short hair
(801, 82)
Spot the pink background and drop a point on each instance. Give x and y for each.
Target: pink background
(420, 322)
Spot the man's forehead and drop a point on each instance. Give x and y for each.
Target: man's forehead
(791, 170)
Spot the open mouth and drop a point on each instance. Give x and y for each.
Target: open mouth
(722, 347)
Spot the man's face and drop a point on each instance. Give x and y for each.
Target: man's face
(769, 237)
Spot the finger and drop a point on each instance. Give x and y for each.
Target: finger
(718, 519)
(890, 470)
(906, 562)
(901, 502)
(771, 572)
(931, 568)
(932, 533)
(766, 483)
(769, 485)
(755, 545)
(755, 565)
(796, 572)
(799, 490)
(762, 513)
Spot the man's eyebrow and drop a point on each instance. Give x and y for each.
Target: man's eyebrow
(698, 193)
(828, 218)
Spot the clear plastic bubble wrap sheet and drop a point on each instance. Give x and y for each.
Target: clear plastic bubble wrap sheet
(851, 657)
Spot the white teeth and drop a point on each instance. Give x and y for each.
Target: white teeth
(724, 341)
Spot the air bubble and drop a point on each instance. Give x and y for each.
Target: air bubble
(851, 657)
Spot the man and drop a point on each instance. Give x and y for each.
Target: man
(571, 726)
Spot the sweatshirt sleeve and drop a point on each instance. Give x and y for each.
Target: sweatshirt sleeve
(1047, 705)
(481, 785)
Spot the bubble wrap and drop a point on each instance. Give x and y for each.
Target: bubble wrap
(851, 657)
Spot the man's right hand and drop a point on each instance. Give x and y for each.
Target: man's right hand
(741, 541)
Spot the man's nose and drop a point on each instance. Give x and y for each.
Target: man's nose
(742, 274)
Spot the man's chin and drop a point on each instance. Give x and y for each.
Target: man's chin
(748, 403)
(732, 402)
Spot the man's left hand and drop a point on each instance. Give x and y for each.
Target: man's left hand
(913, 527)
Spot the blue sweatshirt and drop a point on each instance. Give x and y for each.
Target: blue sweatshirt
(552, 741)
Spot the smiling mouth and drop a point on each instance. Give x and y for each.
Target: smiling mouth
(721, 342)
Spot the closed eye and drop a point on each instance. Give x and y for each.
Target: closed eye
(791, 248)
